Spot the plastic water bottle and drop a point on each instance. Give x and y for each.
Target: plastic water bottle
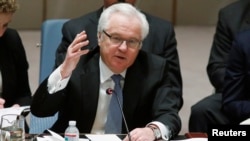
(71, 133)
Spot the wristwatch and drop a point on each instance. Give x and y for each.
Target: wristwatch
(156, 131)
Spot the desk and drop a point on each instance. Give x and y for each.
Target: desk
(32, 137)
(179, 137)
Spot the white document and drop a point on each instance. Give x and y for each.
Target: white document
(99, 137)
(245, 122)
(193, 139)
(54, 137)
(47, 138)
(103, 137)
(13, 110)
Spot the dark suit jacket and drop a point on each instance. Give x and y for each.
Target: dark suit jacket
(232, 19)
(236, 94)
(160, 40)
(147, 95)
(14, 69)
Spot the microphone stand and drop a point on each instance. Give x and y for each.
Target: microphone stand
(119, 103)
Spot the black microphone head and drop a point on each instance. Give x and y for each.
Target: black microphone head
(109, 91)
(121, 0)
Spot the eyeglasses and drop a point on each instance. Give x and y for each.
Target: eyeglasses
(117, 41)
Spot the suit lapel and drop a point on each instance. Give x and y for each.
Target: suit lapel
(90, 75)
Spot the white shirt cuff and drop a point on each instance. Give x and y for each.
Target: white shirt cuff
(165, 131)
(55, 81)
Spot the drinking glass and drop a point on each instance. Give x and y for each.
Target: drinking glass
(12, 127)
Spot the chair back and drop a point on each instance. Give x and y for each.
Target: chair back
(51, 37)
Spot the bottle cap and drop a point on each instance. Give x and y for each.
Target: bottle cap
(72, 122)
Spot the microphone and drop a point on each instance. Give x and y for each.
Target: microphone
(110, 91)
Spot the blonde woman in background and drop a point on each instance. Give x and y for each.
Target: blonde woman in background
(14, 83)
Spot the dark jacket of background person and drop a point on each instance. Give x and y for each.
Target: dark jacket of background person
(236, 93)
(160, 40)
(232, 19)
(14, 69)
(146, 86)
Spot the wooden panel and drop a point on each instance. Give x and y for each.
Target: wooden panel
(186, 12)
(199, 12)
(70, 8)
(29, 15)
(159, 8)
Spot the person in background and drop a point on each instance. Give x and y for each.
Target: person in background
(236, 98)
(14, 83)
(76, 89)
(232, 19)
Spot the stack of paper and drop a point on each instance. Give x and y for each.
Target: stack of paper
(13, 110)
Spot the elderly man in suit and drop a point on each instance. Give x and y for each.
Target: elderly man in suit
(232, 19)
(160, 40)
(77, 88)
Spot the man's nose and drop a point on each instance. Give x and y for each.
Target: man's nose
(123, 45)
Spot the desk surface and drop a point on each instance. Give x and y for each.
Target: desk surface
(31, 137)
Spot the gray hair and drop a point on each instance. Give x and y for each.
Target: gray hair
(125, 9)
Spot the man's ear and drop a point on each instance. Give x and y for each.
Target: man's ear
(99, 37)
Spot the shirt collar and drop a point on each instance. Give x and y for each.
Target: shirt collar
(105, 72)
